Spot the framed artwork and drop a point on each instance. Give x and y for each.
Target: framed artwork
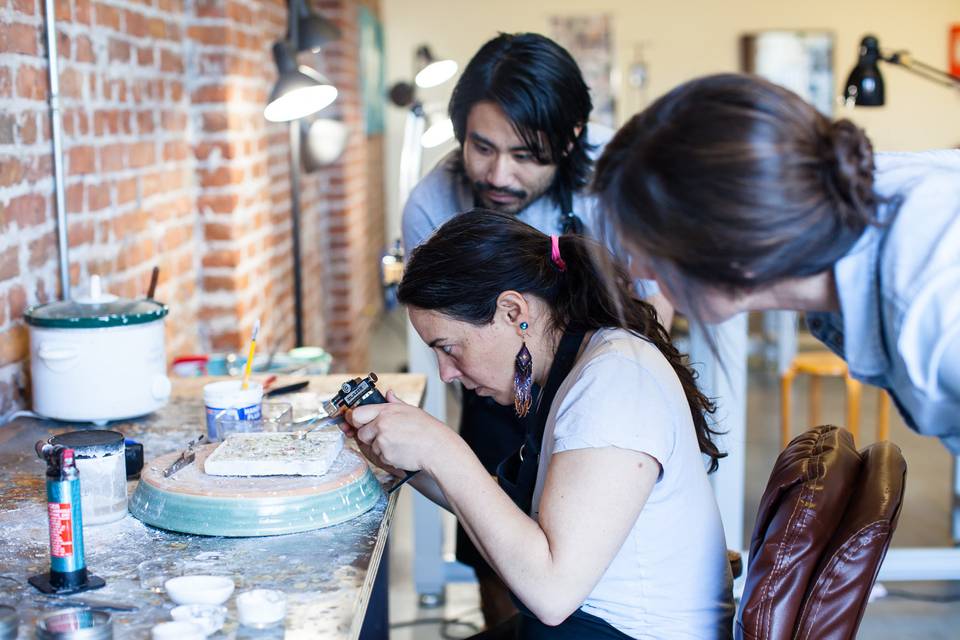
(588, 39)
(801, 61)
(373, 90)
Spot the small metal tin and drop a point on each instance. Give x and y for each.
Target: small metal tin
(9, 622)
(75, 624)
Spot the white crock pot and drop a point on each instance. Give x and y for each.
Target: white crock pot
(98, 358)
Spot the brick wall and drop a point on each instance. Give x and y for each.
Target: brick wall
(169, 162)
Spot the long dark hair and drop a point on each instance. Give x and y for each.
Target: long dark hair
(737, 182)
(539, 87)
(462, 269)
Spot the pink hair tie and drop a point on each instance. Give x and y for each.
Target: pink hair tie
(555, 253)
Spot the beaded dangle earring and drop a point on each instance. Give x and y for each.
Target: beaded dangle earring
(523, 377)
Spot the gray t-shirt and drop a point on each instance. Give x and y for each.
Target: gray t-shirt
(444, 193)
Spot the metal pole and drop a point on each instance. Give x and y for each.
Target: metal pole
(295, 219)
(293, 10)
(57, 133)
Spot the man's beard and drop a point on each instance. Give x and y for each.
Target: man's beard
(520, 197)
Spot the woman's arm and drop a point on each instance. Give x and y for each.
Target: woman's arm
(430, 489)
(591, 500)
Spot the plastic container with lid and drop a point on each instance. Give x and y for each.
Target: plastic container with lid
(101, 460)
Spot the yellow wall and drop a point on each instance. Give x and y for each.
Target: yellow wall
(687, 38)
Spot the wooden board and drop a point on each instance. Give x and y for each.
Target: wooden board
(191, 501)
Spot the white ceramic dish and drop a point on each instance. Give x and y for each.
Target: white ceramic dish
(177, 631)
(261, 608)
(208, 616)
(199, 589)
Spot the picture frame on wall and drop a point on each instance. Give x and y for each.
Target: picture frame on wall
(373, 86)
(801, 61)
(589, 39)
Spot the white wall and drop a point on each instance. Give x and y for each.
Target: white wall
(687, 38)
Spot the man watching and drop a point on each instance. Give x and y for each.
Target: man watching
(520, 113)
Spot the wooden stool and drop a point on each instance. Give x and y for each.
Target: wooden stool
(818, 364)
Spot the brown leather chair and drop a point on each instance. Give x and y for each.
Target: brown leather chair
(823, 527)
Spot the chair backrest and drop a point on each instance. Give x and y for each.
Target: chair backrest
(824, 523)
(836, 600)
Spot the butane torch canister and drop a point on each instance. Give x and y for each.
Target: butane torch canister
(68, 569)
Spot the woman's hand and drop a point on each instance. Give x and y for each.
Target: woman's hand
(395, 435)
(367, 451)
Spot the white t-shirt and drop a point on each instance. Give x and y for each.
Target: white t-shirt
(671, 578)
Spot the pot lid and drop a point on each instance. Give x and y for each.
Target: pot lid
(95, 310)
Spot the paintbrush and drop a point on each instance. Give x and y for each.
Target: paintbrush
(253, 348)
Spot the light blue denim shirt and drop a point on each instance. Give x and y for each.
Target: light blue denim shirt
(899, 293)
(443, 194)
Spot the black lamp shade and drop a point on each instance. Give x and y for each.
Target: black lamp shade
(314, 32)
(295, 94)
(865, 84)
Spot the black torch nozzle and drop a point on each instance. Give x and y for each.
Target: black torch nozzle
(52, 453)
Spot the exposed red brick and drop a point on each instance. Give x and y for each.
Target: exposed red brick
(62, 11)
(11, 171)
(81, 160)
(170, 61)
(16, 37)
(83, 12)
(98, 196)
(210, 93)
(31, 83)
(222, 258)
(175, 151)
(83, 52)
(157, 28)
(81, 233)
(218, 231)
(107, 16)
(10, 263)
(136, 24)
(113, 157)
(130, 224)
(145, 56)
(145, 122)
(14, 345)
(6, 82)
(28, 7)
(41, 251)
(118, 50)
(74, 198)
(126, 191)
(27, 210)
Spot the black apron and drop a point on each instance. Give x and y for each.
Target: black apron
(517, 476)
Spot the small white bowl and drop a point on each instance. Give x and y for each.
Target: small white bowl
(199, 589)
(208, 616)
(261, 608)
(177, 631)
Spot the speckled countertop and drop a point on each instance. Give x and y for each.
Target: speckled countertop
(327, 574)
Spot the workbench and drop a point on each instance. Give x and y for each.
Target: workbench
(327, 574)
